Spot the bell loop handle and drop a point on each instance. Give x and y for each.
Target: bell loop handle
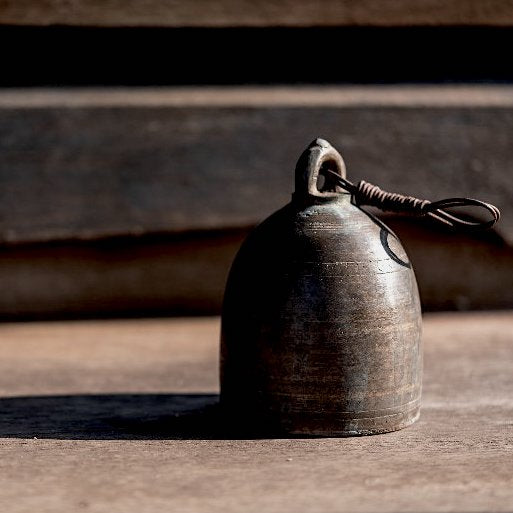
(321, 158)
(320, 154)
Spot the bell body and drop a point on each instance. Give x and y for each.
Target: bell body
(321, 327)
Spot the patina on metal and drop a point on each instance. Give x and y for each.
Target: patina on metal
(321, 324)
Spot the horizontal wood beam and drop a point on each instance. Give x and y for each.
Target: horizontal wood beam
(262, 13)
(259, 96)
(186, 273)
(88, 164)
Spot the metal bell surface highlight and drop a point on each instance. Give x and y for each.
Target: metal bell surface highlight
(321, 324)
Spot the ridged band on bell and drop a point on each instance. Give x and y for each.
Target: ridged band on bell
(321, 324)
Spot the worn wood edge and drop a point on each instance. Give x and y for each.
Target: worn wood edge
(264, 13)
(472, 96)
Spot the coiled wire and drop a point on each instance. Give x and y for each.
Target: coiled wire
(365, 193)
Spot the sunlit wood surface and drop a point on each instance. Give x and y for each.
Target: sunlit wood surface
(119, 416)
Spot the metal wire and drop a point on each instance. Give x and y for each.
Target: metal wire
(365, 193)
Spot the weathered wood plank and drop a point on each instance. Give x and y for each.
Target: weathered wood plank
(426, 96)
(91, 163)
(183, 274)
(142, 441)
(234, 13)
(117, 277)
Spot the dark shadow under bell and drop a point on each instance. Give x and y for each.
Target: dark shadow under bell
(114, 417)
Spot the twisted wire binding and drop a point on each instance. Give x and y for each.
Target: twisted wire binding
(365, 193)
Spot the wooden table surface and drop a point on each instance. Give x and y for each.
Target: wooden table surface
(119, 416)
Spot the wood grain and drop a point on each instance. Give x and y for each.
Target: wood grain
(262, 13)
(88, 164)
(160, 275)
(186, 273)
(117, 416)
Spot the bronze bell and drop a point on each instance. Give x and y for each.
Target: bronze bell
(321, 325)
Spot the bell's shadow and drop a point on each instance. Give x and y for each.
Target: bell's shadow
(114, 417)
